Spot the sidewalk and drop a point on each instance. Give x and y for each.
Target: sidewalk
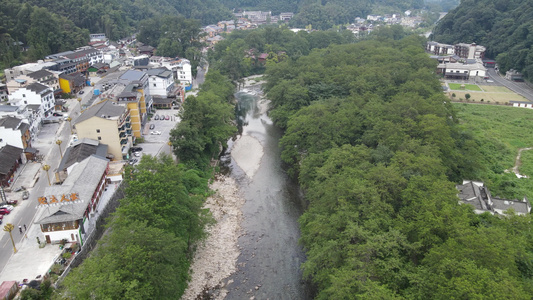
(30, 261)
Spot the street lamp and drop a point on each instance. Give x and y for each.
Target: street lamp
(58, 142)
(46, 168)
(9, 227)
(69, 119)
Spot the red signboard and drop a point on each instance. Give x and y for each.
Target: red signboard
(64, 198)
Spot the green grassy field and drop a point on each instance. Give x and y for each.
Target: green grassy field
(468, 87)
(499, 132)
(495, 89)
(487, 97)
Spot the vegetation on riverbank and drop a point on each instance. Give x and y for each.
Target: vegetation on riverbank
(377, 148)
(148, 250)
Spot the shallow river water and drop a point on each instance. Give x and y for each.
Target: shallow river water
(268, 266)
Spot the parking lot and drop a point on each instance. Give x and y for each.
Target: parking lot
(156, 139)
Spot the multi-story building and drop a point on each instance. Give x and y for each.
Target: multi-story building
(35, 93)
(42, 76)
(25, 69)
(76, 61)
(15, 132)
(440, 49)
(66, 210)
(161, 82)
(109, 123)
(72, 83)
(469, 51)
(131, 89)
(180, 67)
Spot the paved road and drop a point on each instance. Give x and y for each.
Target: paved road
(26, 211)
(520, 88)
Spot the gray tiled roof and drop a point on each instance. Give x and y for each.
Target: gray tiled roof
(104, 108)
(40, 74)
(8, 108)
(518, 206)
(37, 87)
(132, 75)
(83, 180)
(10, 122)
(160, 72)
(80, 151)
(8, 156)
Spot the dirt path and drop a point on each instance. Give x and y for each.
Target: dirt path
(517, 163)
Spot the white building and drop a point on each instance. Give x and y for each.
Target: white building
(160, 82)
(180, 67)
(45, 77)
(27, 68)
(35, 93)
(11, 131)
(463, 71)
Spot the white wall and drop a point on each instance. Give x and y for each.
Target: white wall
(11, 137)
(63, 234)
(159, 86)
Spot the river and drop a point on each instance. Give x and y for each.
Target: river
(268, 266)
(252, 250)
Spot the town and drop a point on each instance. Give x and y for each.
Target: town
(74, 125)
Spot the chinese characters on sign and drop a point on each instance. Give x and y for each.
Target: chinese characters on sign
(64, 198)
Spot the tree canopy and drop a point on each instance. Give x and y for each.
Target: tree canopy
(206, 122)
(377, 148)
(146, 254)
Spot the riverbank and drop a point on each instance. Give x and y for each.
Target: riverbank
(216, 258)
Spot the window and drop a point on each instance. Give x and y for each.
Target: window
(99, 138)
(97, 130)
(154, 84)
(24, 95)
(25, 102)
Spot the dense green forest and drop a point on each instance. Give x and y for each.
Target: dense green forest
(378, 148)
(504, 27)
(52, 26)
(237, 55)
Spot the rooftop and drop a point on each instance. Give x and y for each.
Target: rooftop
(10, 122)
(105, 108)
(8, 157)
(80, 151)
(83, 181)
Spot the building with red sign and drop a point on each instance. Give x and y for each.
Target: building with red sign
(67, 208)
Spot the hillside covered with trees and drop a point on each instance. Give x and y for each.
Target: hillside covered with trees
(504, 27)
(52, 26)
(378, 150)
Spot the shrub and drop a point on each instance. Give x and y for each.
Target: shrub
(467, 96)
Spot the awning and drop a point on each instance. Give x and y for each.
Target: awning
(30, 150)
